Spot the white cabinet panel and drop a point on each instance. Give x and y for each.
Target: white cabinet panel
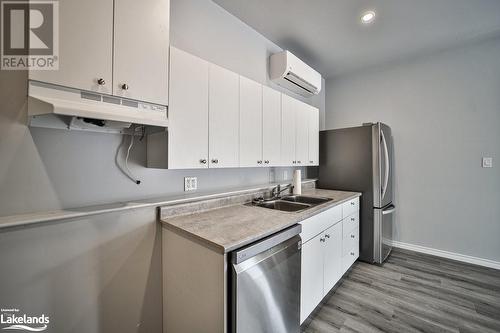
(250, 123)
(302, 133)
(141, 39)
(85, 46)
(333, 257)
(350, 207)
(288, 132)
(188, 111)
(223, 117)
(271, 126)
(311, 285)
(313, 136)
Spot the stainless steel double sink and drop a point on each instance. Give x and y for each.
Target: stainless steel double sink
(291, 203)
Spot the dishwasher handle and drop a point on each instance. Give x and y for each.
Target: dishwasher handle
(267, 243)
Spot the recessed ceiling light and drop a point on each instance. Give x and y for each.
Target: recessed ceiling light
(368, 17)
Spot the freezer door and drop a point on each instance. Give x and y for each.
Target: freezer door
(382, 233)
(382, 165)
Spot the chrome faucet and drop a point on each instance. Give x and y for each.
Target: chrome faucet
(275, 192)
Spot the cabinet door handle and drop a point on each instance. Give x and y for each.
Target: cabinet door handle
(311, 162)
(299, 162)
(215, 161)
(352, 253)
(203, 161)
(294, 162)
(352, 203)
(352, 236)
(101, 81)
(125, 86)
(259, 162)
(266, 161)
(321, 239)
(353, 219)
(327, 236)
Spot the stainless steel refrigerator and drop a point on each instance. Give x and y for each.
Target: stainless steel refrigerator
(361, 159)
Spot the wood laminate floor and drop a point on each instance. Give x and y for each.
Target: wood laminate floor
(411, 292)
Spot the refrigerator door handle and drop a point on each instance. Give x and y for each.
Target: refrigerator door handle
(391, 209)
(387, 166)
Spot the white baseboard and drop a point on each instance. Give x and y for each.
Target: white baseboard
(449, 255)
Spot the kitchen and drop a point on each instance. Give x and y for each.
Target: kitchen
(82, 242)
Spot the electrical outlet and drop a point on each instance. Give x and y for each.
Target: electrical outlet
(190, 183)
(487, 162)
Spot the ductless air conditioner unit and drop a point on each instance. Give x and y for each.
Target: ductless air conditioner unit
(293, 74)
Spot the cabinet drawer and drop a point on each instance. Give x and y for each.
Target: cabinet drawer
(350, 223)
(350, 241)
(350, 207)
(322, 221)
(349, 259)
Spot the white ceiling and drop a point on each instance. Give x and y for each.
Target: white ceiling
(327, 34)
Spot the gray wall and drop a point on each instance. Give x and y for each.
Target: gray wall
(444, 110)
(104, 273)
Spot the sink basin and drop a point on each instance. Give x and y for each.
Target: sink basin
(306, 200)
(283, 205)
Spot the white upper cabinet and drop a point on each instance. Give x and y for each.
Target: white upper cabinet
(250, 123)
(85, 46)
(141, 40)
(271, 126)
(302, 133)
(113, 47)
(288, 130)
(188, 111)
(313, 136)
(223, 117)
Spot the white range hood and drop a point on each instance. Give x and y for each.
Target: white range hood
(60, 107)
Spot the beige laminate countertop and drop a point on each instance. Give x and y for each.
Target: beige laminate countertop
(228, 228)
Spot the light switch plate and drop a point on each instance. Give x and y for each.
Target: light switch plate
(487, 162)
(190, 183)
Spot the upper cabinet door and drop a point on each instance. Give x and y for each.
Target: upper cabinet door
(288, 111)
(223, 117)
(141, 39)
(302, 133)
(271, 126)
(250, 123)
(188, 111)
(313, 136)
(85, 46)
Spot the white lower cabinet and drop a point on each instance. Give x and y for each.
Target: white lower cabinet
(330, 245)
(311, 285)
(332, 263)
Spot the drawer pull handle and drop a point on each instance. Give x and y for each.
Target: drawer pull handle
(352, 203)
(352, 253)
(215, 161)
(352, 236)
(321, 239)
(353, 219)
(327, 236)
(203, 161)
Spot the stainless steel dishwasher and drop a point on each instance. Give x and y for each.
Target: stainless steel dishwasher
(266, 284)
